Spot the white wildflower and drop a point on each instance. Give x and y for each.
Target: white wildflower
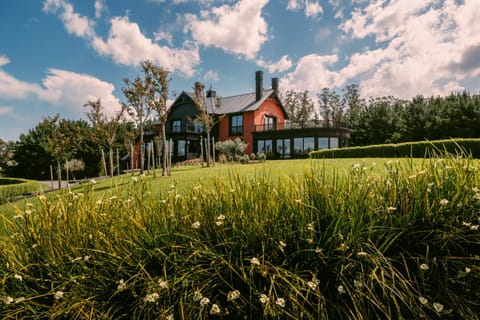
(90, 236)
(313, 284)
(18, 277)
(58, 295)
(424, 267)
(357, 283)
(362, 254)
(413, 176)
(468, 270)
(423, 300)
(444, 202)
(391, 209)
(280, 302)
(215, 309)
(204, 301)
(474, 189)
(263, 298)
(19, 299)
(281, 245)
(86, 258)
(340, 289)
(76, 259)
(474, 227)
(28, 211)
(310, 227)
(121, 285)
(438, 307)
(170, 317)
(163, 284)
(254, 261)
(310, 240)
(196, 225)
(92, 181)
(152, 297)
(8, 300)
(233, 295)
(197, 296)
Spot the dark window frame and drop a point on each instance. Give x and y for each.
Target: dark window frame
(236, 130)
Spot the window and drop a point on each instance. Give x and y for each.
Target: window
(236, 125)
(302, 146)
(333, 142)
(323, 143)
(283, 148)
(269, 123)
(198, 126)
(308, 145)
(181, 148)
(264, 146)
(176, 126)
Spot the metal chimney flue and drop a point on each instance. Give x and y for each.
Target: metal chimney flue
(258, 85)
(275, 85)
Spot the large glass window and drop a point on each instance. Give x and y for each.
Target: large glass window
(283, 148)
(264, 146)
(269, 123)
(308, 144)
(198, 126)
(236, 125)
(176, 126)
(323, 143)
(333, 142)
(298, 146)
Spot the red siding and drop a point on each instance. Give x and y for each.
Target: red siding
(250, 120)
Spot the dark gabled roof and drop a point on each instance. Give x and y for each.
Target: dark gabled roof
(237, 104)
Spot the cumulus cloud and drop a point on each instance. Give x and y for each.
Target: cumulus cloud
(421, 47)
(126, 44)
(211, 76)
(60, 88)
(281, 65)
(238, 28)
(99, 7)
(312, 9)
(73, 90)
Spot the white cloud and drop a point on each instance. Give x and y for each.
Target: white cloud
(239, 28)
(312, 74)
(73, 22)
(422, 47)
(72, 90)
(126, 44)
(5, 110)
(312, 9)
(211, 76)
(163, 36)
(12, 88)
(99, 7)
(281, 65)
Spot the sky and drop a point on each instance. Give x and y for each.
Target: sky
(56, 55)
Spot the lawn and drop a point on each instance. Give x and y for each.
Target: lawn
(299, 239)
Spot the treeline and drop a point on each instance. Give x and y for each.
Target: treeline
(392, 120)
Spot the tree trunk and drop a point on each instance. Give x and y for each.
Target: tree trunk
(104, 164)
(142, 151)
(164, 138)
(110, 153)
(59, 174)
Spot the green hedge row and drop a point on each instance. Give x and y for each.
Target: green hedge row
(12, 187)
(420, 149)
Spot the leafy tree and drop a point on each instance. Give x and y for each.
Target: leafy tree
(6, 155)
(331, 108)
(137, 94)
(157, 81)
(298, 105)
(105, 128)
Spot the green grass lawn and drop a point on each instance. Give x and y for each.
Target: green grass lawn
(299, 239)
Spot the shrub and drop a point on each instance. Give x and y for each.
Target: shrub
(252, 156)
(261, 157)
(455, 147)
(12, 187)
(231, 148)
(245, 159)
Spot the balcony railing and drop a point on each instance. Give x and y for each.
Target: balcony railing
(300, 125)
(184, 128)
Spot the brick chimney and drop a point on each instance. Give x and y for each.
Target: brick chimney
(258, 85)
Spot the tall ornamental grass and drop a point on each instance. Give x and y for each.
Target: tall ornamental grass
(341, 245)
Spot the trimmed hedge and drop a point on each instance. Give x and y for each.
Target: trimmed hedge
(419, 149)
(12, 187)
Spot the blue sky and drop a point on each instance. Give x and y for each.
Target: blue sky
(55, 55)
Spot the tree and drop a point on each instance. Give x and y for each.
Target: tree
(60, 139)
(137, 94)
(6, 155)
(298, 105)
(157, 82)
(203, 116)
(331, 108)
(106, 129)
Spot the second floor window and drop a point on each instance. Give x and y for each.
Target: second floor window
(176, 126)
(236, 125)
(269, 123)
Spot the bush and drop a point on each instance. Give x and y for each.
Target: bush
(245, 159)
(455, 147)
(252, 156)
(231, 148)
(261, 157)
(12, 187)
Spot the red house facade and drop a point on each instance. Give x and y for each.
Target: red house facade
(257, 118)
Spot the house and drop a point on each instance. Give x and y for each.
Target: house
(257, 118)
